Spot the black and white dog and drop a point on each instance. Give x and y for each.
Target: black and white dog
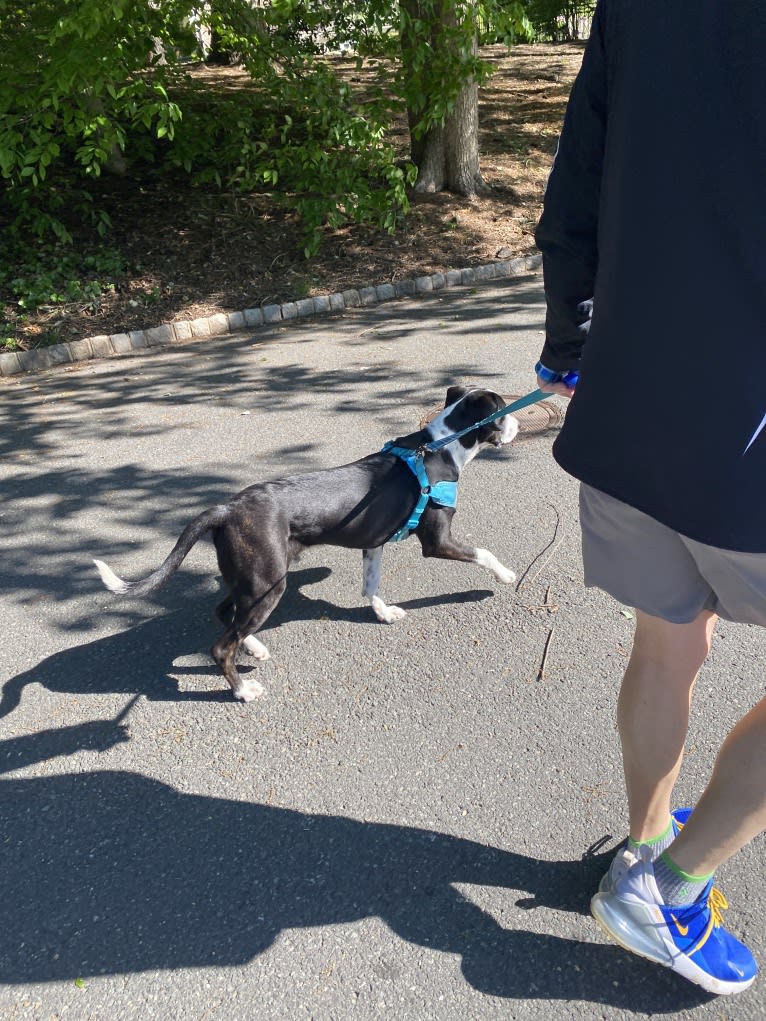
(360, 506)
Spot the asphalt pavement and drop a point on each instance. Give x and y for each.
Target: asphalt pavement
(411, 821)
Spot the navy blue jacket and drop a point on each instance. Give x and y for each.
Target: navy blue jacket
(656, 208)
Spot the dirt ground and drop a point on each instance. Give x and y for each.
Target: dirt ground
(193, 252)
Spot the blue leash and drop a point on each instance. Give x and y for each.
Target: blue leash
(444, 493)
(522, 402)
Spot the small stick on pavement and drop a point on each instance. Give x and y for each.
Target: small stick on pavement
(541, 671)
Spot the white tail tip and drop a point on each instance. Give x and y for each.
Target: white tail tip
(110, 579)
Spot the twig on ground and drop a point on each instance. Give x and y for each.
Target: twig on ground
(541, 671)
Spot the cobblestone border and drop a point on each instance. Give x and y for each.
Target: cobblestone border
(14, 362)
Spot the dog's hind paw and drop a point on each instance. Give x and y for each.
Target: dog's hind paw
(248, 691)
(254, 648)
(387, 614)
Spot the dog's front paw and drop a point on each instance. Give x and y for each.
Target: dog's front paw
(504, 575)
(248, 691)
(486, 559)
(387, 614)
(254, 648)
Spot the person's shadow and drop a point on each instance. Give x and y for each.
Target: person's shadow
(138, 659)
(113, 872)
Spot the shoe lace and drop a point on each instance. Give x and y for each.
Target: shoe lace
(717, 903)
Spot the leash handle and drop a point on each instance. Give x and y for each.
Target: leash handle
(569, 378)
(522, 402)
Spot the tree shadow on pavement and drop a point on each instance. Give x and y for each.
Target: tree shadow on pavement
(55, 559)
(114, 872)
(246, 371)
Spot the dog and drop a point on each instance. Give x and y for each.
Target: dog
(261, 530)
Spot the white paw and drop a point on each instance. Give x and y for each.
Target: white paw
(486, 559)
(248, 691)
(387, 614)
(394, 613)
(510, 429)
(505, 576)
(254, 648)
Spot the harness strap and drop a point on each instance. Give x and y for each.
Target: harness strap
(444, 494)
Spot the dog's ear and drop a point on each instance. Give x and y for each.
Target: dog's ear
(454, 394)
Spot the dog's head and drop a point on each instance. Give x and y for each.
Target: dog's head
(462, 408)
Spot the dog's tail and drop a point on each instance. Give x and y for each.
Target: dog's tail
(193, 532)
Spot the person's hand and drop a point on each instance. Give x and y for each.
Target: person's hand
(555, 388)
(552, 382)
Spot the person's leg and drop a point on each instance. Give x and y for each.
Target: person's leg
(667, 909)
(653, 714)
(644, 564)
(732, 810)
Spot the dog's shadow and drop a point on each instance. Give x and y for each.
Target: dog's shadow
(297, 604)
(139, 659)
(117, 873)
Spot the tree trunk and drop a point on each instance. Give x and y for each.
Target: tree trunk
(461, 145)
(447, 156)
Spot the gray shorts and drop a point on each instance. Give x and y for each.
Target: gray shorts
(644, 564)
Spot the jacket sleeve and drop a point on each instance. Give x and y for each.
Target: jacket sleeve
(567, 234)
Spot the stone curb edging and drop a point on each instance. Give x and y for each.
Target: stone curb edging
(14, 362)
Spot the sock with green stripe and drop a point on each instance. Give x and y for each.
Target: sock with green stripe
(657, 844)
(676, 886)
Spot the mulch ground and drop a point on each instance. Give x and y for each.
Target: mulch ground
(191, 252)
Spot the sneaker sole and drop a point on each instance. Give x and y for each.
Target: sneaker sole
(638, 933)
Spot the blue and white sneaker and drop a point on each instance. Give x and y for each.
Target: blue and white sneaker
(690, 940)
(626, 859)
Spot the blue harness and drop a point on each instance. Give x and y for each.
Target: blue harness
(444, 494)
